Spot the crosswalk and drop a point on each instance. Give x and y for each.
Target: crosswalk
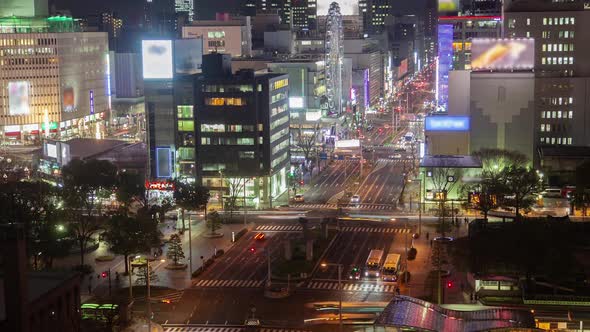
(349, 206)
(225, 329)
(352, 287)
(397, 161)
(375, 229)
(168, 298)
(297, 228)
(228, 283)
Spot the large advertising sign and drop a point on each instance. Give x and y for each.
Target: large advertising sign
(444, 65)
(69, 99)
(18, 98)
(347, 7)
(448, 6)
(188, 55)
(502, 54)
(156, 57)
(446, 123)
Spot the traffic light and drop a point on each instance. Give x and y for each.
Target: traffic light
(104, 274)
(301, 182)
(252, 249)
(449, 284)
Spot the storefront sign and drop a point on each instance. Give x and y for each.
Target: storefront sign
(159, 185)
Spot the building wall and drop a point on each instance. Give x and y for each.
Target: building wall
(62, 71)
(161, 127)
(230, 39)
(502, 112)
(128, 75)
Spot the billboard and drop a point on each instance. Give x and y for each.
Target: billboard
(347, 7)
(403, 68)
(444, 65)
(347, 143)
(446, 123)
(69, 99)
(156, 56)
(188, 55)
(448, 6)
(502, 54)
(18, 98)
(295, 102)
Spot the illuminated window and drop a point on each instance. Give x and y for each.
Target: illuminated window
(185, 111)
(186, 125)
(245, 141)
(225, 101)
(216, 34)
(212, 128)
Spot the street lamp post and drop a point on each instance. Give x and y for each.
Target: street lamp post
(339, 289)
(245, 205)
(221, 188)
(148, 298)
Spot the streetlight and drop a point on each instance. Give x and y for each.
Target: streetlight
(221, 188)
(340, 290)
(147, 281)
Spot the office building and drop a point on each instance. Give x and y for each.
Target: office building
(57, 79)
(185, 6)
(23, 8)
(374, 18)
(257, 7)
(560, 30)
(365, 54)
(304, 15)
(225, 35)
(160, 18)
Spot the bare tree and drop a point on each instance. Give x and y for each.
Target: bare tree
(444, 179)
(236, 186)
(307, 141)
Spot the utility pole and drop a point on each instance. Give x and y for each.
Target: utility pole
(190, 246)
(246, 205)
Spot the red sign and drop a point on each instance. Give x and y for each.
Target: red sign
(159, 185)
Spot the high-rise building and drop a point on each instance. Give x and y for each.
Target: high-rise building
(282, 7)
(304, 15)
(185, 6)
(249, 139)
(56, 79)
(562, 45)
(160, 17)
(377, 11)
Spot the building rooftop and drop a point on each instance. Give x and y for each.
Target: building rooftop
(39, 284)
(84, 148)
(451, 161)
(408, 312)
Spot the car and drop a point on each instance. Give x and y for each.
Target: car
(259, 236)
(355, 273)
(299, 198)
(395, 156)
(399, 150)
(355, 199)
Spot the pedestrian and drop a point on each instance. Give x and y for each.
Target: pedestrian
(427, 236)
(465, 220)
(117, 277)
(471, 297)
(431, 243)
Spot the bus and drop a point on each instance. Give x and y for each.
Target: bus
(391, 267)
(373, 266)
(101, 312)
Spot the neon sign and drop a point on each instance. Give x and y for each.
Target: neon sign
(159, 185)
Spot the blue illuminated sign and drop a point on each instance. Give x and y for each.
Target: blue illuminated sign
(445, 64)
(447, 123)
(164, 164)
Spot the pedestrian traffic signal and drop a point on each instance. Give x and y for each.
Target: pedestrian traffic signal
(104, 274)
(449, 284)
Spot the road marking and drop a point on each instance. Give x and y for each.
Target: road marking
(353, 287)
(228, 283)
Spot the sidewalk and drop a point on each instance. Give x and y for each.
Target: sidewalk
(176, 279)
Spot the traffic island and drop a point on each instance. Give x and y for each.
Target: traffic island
(212, 235)
(176, 267)
(277, 291)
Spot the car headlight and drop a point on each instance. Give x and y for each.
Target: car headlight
(377, 274)
(366, 274)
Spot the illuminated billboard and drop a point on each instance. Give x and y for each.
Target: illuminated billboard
(295, 102)
(502, 54)
(188, 55)
(347, 143)
(18, 98)
(444, 65)
(156, 56)
(69, 99)
(347, 7)
(446, 123)
(448, 6)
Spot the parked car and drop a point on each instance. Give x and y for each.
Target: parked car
(299, 198)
